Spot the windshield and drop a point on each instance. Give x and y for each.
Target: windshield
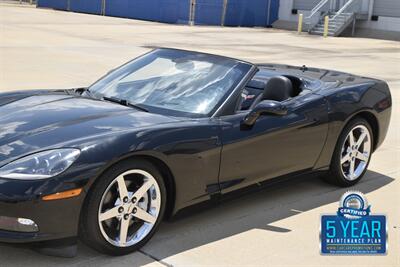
(174, 82)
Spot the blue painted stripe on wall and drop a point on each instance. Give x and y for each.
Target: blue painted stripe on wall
(246, 13)
(274, 15)
(251, 13)
(208, 12)
(56, 4)
(169, 11)
(86, 6)
(175, 11)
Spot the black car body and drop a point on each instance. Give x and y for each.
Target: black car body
(200, 157)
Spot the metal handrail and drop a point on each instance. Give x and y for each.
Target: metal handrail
(345, 8)
(320, 5)
(309, 20)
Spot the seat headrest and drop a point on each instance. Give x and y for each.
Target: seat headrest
(278, 88)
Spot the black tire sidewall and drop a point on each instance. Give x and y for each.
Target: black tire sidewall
(336, 176)
(90, 232)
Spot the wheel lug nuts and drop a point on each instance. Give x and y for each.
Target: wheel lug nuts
(134, 200)
(126, 216)
(126, 199)
(134, 210)
(121, 209)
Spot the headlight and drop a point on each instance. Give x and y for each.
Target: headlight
(41, 165)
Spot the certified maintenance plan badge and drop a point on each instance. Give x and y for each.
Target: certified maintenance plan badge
(353, 230)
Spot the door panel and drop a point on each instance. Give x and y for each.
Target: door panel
(275, 145)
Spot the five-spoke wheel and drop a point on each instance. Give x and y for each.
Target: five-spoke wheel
(129, 208)
(352, 153)
(356, 152)
(127, 204)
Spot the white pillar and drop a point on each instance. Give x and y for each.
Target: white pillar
(370, 9)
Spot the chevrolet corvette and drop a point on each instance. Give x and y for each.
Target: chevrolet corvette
(169, 130)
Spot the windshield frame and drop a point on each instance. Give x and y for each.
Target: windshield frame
(177, 113)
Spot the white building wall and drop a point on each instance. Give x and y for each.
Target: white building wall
(289, 21)
(383, 23)
(285, 9)
(305, 4)
(388, 12)
(387, 8)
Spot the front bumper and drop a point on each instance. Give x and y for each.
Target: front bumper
(56, 219)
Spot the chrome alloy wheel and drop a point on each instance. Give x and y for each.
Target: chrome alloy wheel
(129, 208)
(356, 152)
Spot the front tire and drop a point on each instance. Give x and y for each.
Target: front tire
(352, 153)
(123, 208)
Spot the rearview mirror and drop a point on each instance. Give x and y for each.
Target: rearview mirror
(266, 107)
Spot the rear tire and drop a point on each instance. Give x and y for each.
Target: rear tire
(352, 153)
(123, 208)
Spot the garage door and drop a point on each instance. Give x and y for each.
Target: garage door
(388, 8)
(305, 4)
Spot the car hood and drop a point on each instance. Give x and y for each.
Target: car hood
(30, 123)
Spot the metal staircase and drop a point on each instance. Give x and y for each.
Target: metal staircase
(337, 24)
(340, 17)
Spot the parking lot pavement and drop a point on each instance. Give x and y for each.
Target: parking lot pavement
(42, 48)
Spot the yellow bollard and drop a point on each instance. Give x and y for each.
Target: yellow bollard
(326, 26)
(300, 26)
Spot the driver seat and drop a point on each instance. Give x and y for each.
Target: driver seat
(278, 88)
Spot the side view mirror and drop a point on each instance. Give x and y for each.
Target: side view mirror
(266, 107)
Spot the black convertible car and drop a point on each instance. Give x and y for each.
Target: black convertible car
(171, 129)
